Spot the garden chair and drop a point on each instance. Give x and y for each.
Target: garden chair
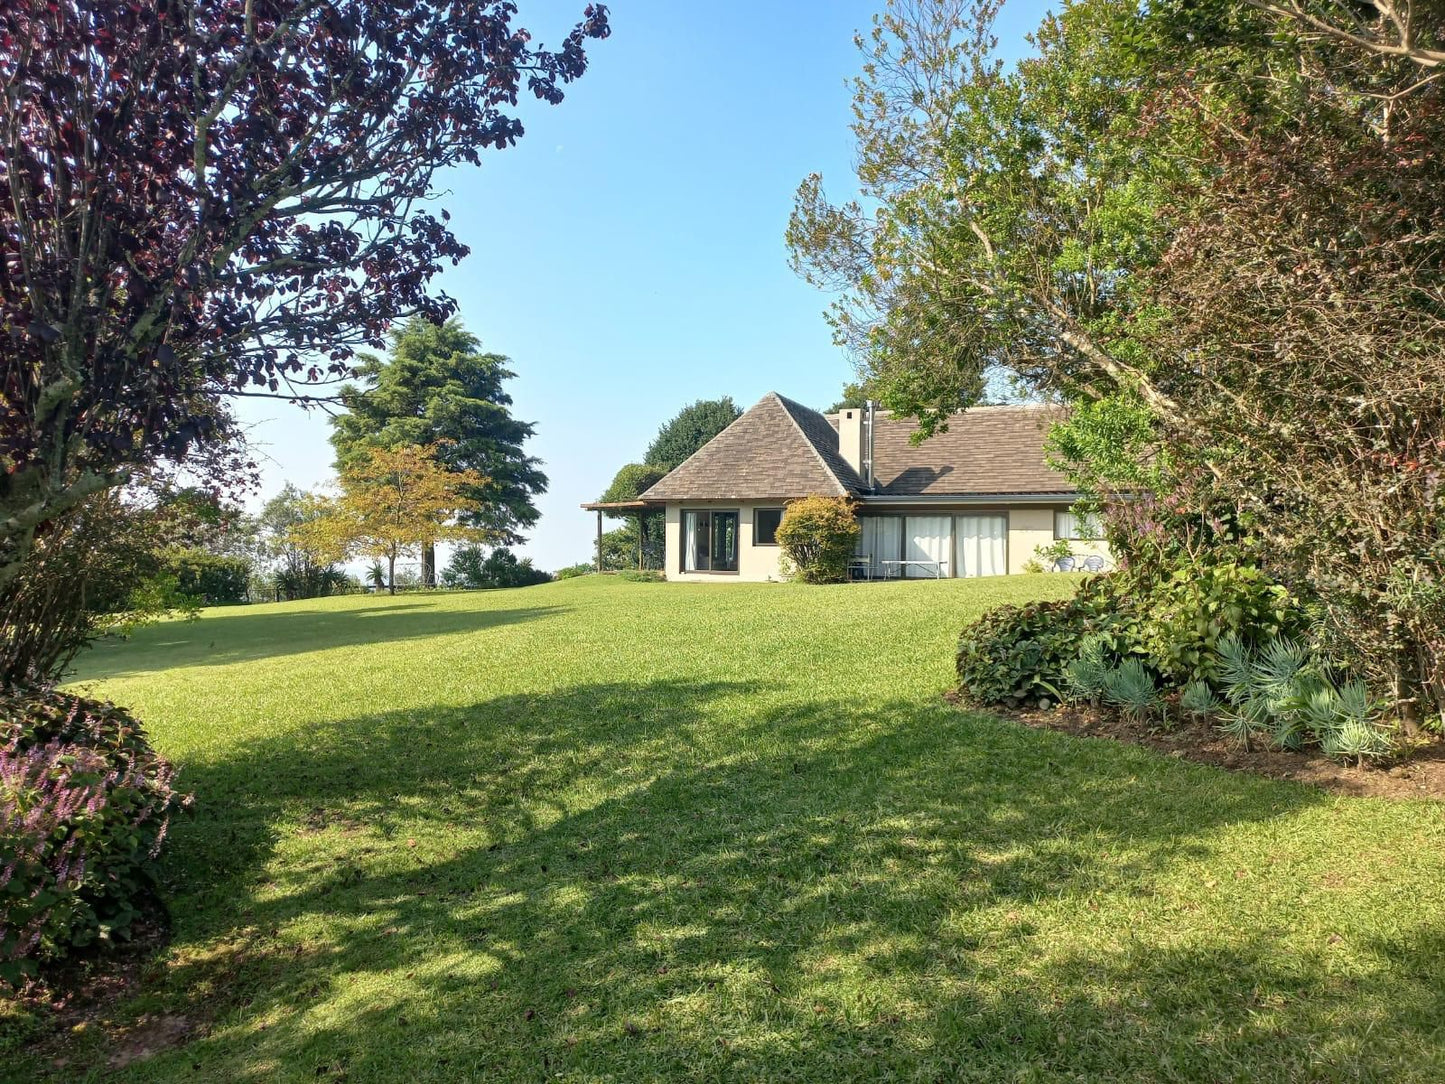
(1064, 564)
(1094, 563)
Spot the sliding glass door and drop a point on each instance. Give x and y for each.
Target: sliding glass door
(709, 541)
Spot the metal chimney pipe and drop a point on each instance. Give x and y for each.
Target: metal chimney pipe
(868, 444)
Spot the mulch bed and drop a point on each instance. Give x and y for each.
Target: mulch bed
(1421, 774)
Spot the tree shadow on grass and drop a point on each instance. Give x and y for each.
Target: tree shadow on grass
(674, 880)
(222, 637)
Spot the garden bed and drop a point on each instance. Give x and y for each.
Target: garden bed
(1421, 775)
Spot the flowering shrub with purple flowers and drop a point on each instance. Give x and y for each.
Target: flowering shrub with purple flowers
(84, 806)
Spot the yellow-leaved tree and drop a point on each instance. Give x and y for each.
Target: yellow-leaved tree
(393, 502)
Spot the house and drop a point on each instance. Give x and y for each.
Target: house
(976, 500)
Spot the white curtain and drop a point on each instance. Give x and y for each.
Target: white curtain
(689, 541)
(1072, 526)
(881, 539)
(930, 538)
(982, 546)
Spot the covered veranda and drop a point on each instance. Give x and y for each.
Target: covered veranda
(636, 508)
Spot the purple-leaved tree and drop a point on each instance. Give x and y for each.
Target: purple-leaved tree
(205, 198)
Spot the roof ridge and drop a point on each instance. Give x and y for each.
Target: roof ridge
(787, 405)
(694, 455)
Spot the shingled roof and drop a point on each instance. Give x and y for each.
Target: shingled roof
(781, 449)
(778, 449)
(986, 450)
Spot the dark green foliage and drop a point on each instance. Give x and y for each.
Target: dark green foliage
(96, 568)
(1020, 654)
(472, 566)
(309, 582)
(631, 481)
(641, 575)
(214, 580)
(439, 388)
(620, 547)
(818, 536)
(689, 430)
(1184, 617)
(84, 806)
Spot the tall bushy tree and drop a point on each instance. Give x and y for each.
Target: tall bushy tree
(203, 196)
(689, 429)
(393, 502)
(439, 388)
(640, 541)
(1217, 229)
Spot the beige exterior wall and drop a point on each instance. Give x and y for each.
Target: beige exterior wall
(1032, 527)
(1029, 527)
(755, 563)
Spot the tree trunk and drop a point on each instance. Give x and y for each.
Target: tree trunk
(429, 564)
(391, 573)
(641, 537)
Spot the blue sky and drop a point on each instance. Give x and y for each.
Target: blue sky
(628, 254)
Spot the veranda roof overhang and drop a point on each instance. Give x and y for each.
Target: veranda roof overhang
(621, 506)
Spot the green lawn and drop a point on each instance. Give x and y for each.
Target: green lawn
(623, 832)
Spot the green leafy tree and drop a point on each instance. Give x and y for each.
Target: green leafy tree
(439, 388)
(295, 569)
(688, 430)
(1217, 227)
(638, 542)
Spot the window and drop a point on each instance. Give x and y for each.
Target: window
(765, 526)
(709, 541)
(1078, 528)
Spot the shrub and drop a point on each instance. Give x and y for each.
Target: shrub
(1185, 616)
(472, 566)
(1130, 688)
(310, 582)
(1015, 654)
(582, 568)
(818, 536)
(84, 806)
(641, 575)
(214, 580)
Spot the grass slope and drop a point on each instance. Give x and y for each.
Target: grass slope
(600, 831)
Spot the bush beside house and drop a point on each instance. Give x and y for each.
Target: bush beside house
(818, 536)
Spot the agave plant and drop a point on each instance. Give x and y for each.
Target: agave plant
(1198, 699)
(1356, 739)
(1130, 688)
(1277, 666)
(1087, 673)
(1236, 668)
(1245, 720)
